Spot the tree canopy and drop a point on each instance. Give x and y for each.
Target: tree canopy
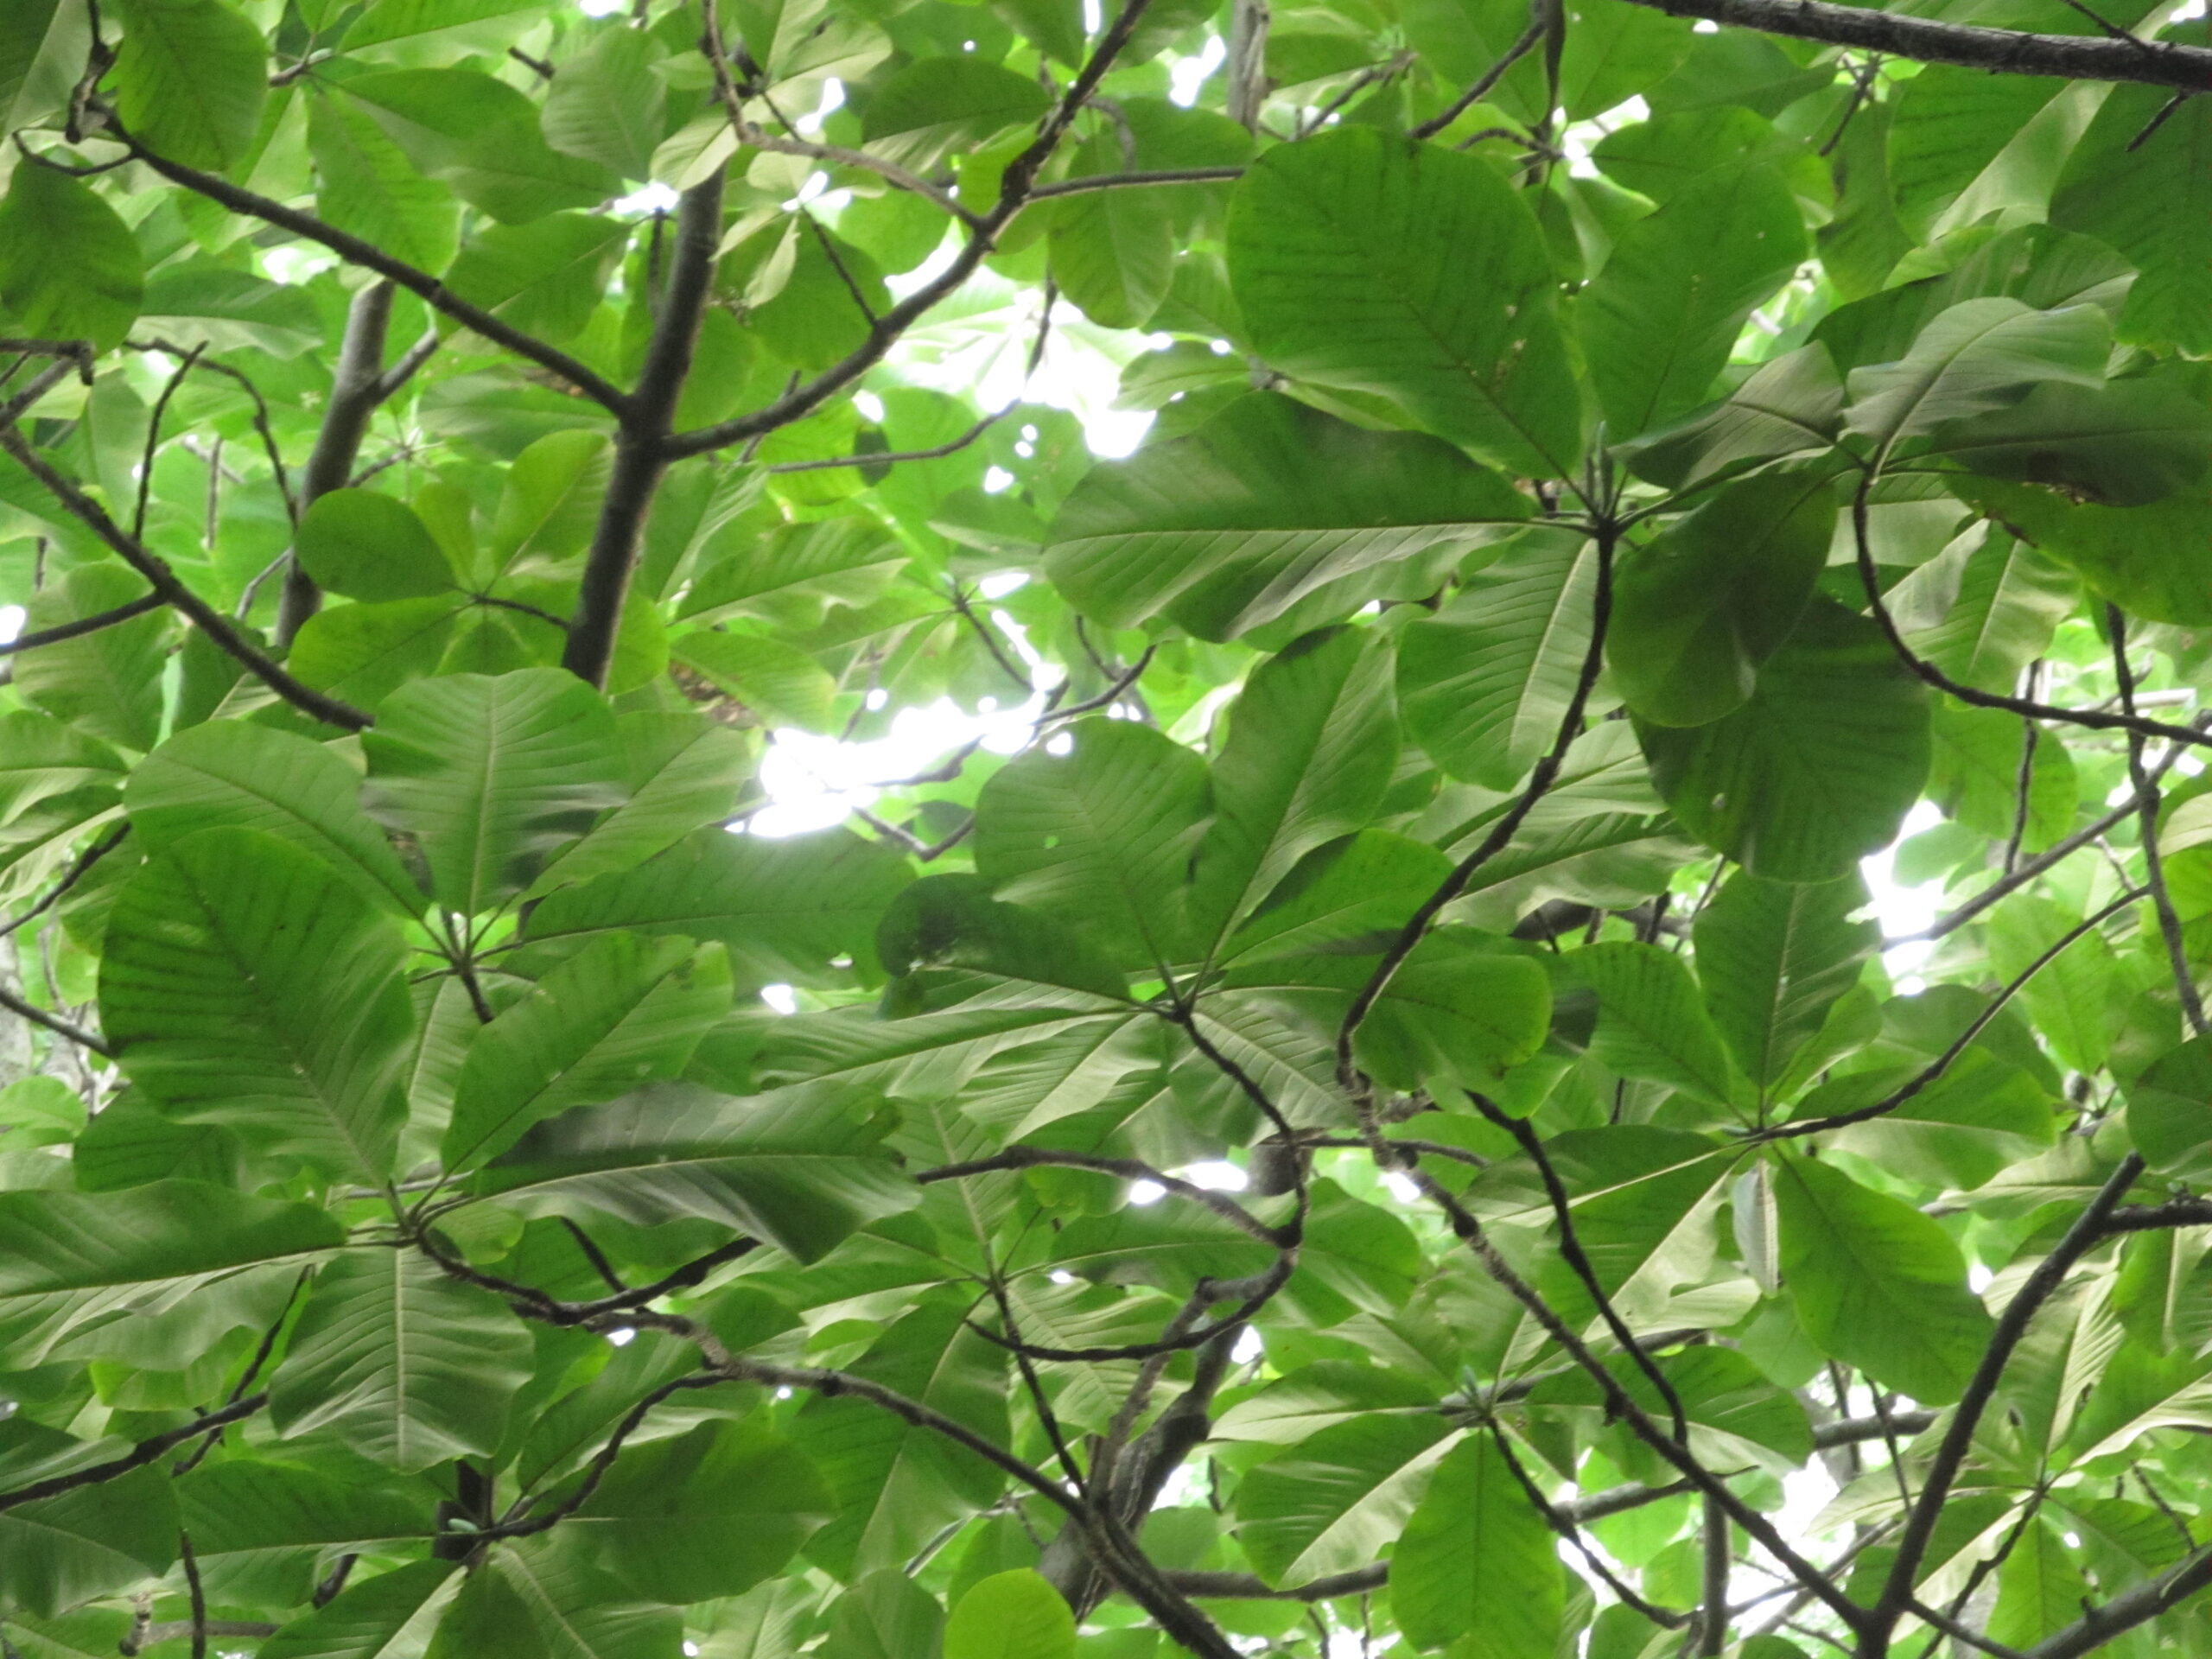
(1370, 1103)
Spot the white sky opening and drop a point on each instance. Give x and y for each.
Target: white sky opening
(1904, 910)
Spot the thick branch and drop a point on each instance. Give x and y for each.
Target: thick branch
(2001, 50)
(641, 450)
(356, 389)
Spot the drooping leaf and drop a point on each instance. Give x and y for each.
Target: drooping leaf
(1265, 505)
(1818, 768)
(491, 775)
(1660, 320)
(402, 1364)
(1363, 262)
(802, 1170)
(1476, 1561)
(1877, 1284)
(1484, 683)
(251, 984)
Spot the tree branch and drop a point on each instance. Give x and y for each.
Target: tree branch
(2002, 50)
(2097, 719)
(82, 626)
(2146, 802)
(2098, 1625)
(641, 448)
(369, 257)
(356, 389)
(1500, 832)
(1944, 1061)
(166, 582)
(137, 1458)
(1017, 185)
(1942, 1474)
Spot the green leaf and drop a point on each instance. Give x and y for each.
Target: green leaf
(1877, 1284)
(69, 267)
(1113, 251)
(189, 80)
(1660, 320)
(107, 683)
(2041, 1588)
(196, 301)
(1365, 263)
(780, 683)
(524, 1603)
(474, 132)
(1949, 123)
(606, 104)
(549, 504)
(2126, 443)
(366, 185)
(2142, 190)
(1697, 612)
(885, 1616)
(168, 1235)
(1266, 506)
(364, 653)
(895, 1485)
(491, 775)
(1476, 1560)
(1979, 355)
(1311, 748)
(1459, 1010)
(1651, 1023)
(2170, 1108)
(937, 105)
(1772, 958)
(403, 1364)
(545, 277)
(1788, 405)
(253, 1506)
(2142, 558)
(233, 773)
(1104, 832)
(42, 48)
(249, 983)
(783, 909)
(801, 1169)
(2010, 598)
(1332, 1503)
(1014, 1615)
(97, 1541)
(388, 1616)
(953, 920)
(1817, 769)
(1958, 1132)
(624, 1011)
(681, 771)
(1484, 683)
(709, 1513)
(370, 547)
